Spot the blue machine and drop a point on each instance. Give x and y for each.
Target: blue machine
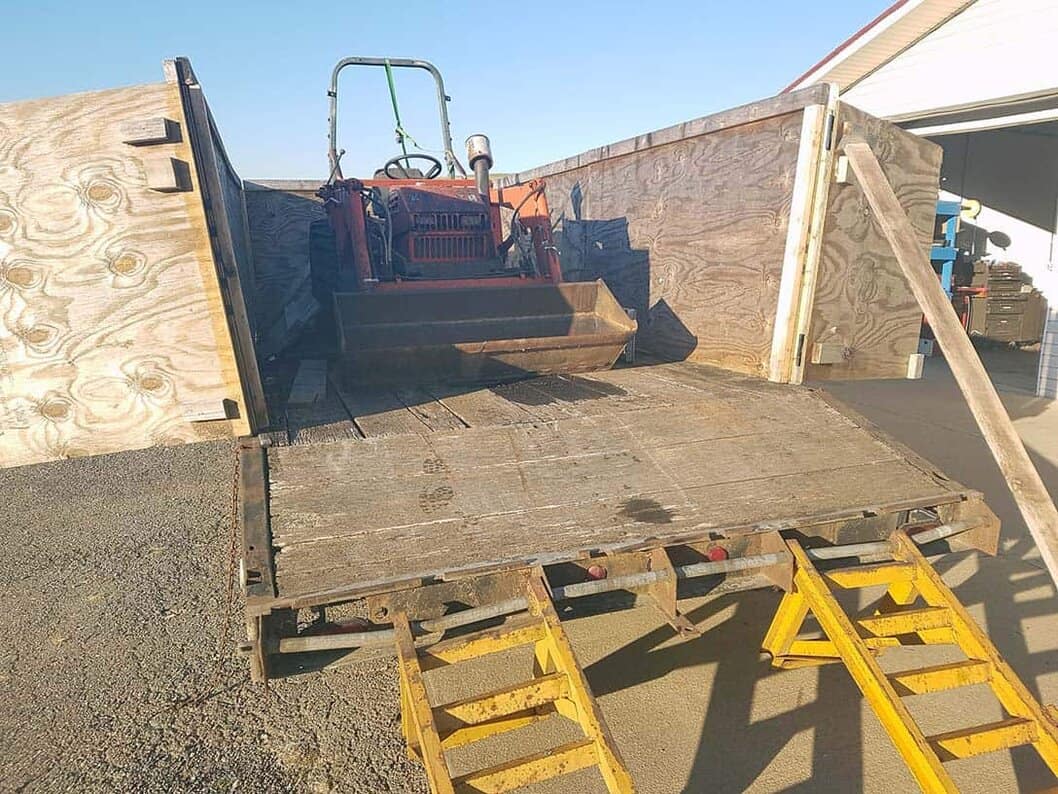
(943, 255)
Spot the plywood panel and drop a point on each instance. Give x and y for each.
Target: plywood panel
(691, 234)
(691, 226)
(221, 192)
(112, 325)
(699, 227)
(278, 216)
(863, 304)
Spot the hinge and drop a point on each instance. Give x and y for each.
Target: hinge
(829, 138)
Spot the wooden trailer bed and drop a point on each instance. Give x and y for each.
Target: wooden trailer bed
(446, 483)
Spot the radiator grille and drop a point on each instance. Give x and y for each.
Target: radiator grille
(447, 221)
(449, 248)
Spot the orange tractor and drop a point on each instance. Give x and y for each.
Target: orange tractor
(437, 275)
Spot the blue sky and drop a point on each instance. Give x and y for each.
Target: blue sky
(543, 79)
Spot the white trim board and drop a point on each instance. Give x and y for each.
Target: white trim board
(983, 125)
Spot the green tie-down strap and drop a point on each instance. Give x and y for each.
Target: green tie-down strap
(402, 134)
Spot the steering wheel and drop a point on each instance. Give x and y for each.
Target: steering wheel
(436, 167)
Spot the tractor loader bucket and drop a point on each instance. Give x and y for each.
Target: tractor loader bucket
(480, 335)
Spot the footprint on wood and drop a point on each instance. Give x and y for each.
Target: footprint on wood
(434, 499)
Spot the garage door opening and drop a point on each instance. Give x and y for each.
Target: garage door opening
(1004, 281)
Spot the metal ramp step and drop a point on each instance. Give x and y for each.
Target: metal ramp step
(558, 686)
(909, 621)
(899, 620)
(516, 706)
(941, 677)
(980, 739)
(534, 768)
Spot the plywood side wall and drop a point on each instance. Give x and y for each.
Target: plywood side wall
(697, 227)
(279, 213)
(112, 324)
(691, 234)
(221, 198)
(864, 311)
(235, 216)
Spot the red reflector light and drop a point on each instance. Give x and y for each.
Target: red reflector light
(716, 554)
(596, 572)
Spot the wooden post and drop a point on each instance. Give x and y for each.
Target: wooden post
(1024, 481)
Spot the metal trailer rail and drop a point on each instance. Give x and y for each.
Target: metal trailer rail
(385, 638)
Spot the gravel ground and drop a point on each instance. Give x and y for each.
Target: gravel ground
(114, 571)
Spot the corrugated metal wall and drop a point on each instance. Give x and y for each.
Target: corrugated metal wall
(1047, 384)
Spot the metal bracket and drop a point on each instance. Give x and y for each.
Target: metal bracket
(985, 536)
(781, 573)
(663, 593)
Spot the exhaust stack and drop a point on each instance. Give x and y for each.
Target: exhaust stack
(479, 155)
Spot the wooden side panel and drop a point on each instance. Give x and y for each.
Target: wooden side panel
(221, 190)
(691, 234)
(864, 309)
(112, 327)
(235, 215)
(279, 214)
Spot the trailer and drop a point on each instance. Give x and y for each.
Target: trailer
(464, 522)
(570, 473)
(443, 523)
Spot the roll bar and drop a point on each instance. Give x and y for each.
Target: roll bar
(442, 103)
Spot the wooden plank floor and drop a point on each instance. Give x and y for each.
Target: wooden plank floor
(420, 481)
